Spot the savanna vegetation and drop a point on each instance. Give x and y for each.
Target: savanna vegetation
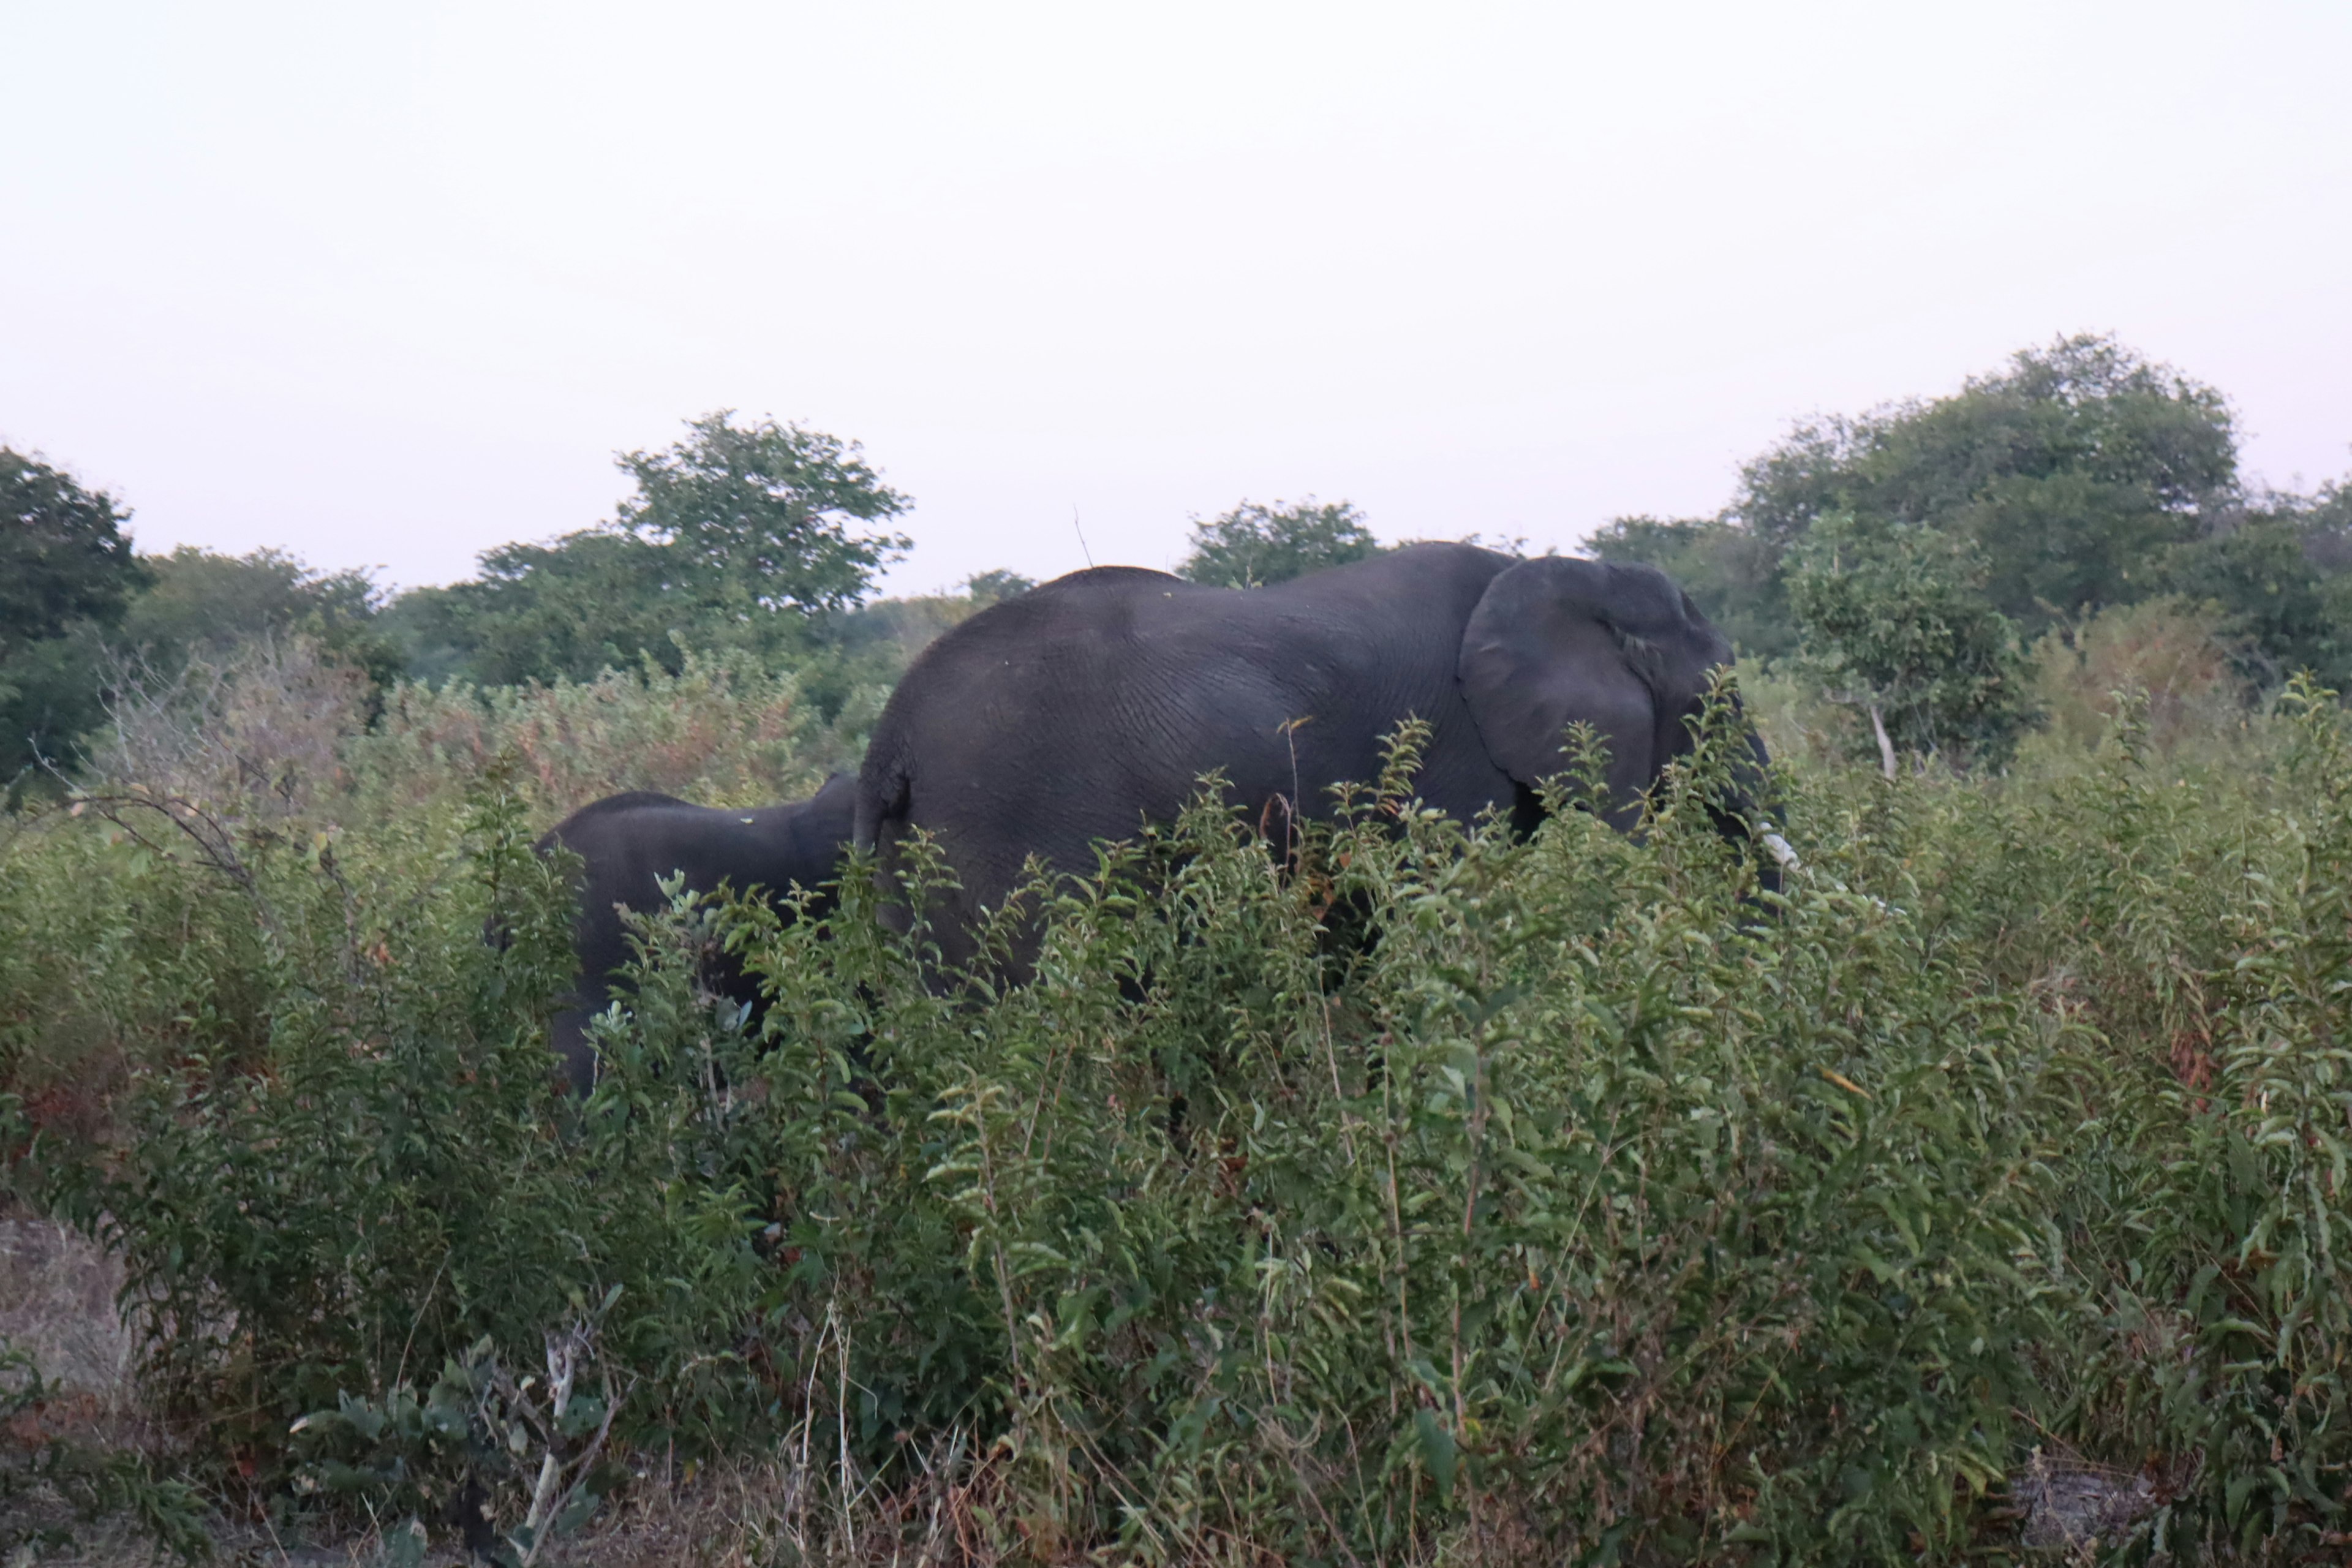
(1434, 1196)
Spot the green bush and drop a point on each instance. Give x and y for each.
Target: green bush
(726, 728)
(1423, 1196)
(383, 1175)
(1592, 1211)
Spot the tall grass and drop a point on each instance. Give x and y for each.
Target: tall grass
(725, 730)
(1422, 1195)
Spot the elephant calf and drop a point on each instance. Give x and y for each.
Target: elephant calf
(1087, 706)
(629, 843)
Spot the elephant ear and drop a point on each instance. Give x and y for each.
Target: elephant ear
(1558, 641)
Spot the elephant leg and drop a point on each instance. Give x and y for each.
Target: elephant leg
(569, 1032)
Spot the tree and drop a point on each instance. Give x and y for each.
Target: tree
(2078, 470)
(64, 558)
(65, 574)
(1732, 575)
(738, 537)
(198, 604)
(197, 600)
(1254, 546)
(988, 587)
(757, 516)
(2075, 471)
(589, 601)
(2278, 575)
(1895, 625)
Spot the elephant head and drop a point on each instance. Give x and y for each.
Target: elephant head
(1559, 641)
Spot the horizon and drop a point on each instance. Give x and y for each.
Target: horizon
(389, 291)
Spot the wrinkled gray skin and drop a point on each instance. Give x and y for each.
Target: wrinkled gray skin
(1093, 703)
(627, 843)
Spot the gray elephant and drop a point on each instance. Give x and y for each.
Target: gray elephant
(1078, 710)
(627, 843)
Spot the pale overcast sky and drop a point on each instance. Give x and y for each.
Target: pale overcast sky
(389, 284)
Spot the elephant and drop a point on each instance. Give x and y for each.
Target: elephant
(627, 843)
(1080, 710)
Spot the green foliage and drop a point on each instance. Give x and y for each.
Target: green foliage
(735, 539)
(1732, 574)
(66, 572)
(988, 587)
(1894, 625)
(79, 1482)
(52, 695)
(756, 517)
(2177, 653)
(1533, 1228)
(2080, 476)
(387, 1171)
(1432, 1196)
(1417, 1197)
(2074, 471)
(2277, 573)
(199, 603)
(568, 609)
(63, 555)
(479, 1432)
(725, 730)
(2190, 925)
(1253, 544)
(1581, 1213)
(2252, 1218)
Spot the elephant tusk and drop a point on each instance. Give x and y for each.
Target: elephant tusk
(1782, 853)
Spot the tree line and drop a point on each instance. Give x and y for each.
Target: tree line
(1899, 561)
(1902, 561)
(744, 535)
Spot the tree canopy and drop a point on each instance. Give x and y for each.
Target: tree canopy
(588, 601)
(64, 558)
(757, 516)
(988, 587)
(2080, 476)
(65, 574)
(199, 603)
(1254, 546)
(2075, 470)
(738, 536)
(2280, 572)
(1899, 559)
(1895, 623)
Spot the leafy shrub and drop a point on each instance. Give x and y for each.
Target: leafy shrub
(51, 1482)
(2173, 650)
(260, 728)
(1426, 1195)
(2212, 1240)
(1536, 1229)
(380, 1175)
(725, 728)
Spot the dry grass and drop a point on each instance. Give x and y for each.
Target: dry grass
(58, 1293)
(723, 730)
(263, 728)
(57, 1302)
(2174, 651)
